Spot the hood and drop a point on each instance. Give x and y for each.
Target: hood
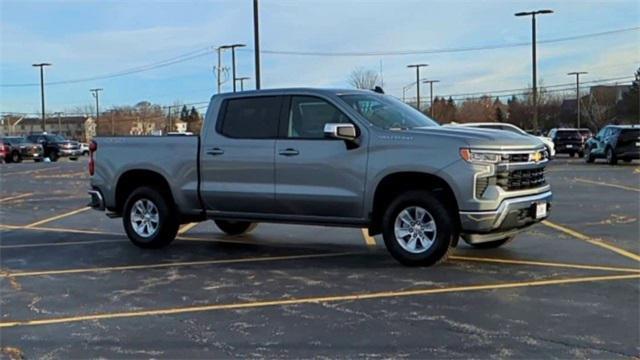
(479, 138)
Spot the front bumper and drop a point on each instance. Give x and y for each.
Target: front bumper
(70, 152)
(513, 215)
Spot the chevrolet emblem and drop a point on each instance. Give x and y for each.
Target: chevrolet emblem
(537, 156)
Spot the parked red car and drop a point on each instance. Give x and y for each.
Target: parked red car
(5, 152)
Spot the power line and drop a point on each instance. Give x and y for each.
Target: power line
(443, 50)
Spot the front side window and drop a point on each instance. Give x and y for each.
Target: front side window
(308, 116)
(387, 112)
(251, 118)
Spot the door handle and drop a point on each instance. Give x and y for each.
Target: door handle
(215, 151)
(289, 152)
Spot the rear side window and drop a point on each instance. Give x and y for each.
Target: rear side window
(251, 118)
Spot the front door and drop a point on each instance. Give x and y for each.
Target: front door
(315, 175)
(237, 157)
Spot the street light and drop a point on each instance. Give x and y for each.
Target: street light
(242, 79)
(417, 66)
(430, 82)
(256, 42)
(41, 66)
(577, 75)
(533, 56)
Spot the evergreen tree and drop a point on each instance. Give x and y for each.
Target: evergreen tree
(194, 116)
(629, 105)
(184, 114)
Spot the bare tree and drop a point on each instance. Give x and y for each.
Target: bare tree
(361, 78)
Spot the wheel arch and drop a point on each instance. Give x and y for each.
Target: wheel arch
(392, 185)
(133, 179)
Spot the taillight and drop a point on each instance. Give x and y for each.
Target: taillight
(93, 147)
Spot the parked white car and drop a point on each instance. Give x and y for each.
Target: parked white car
(84, 149)
(510, 127)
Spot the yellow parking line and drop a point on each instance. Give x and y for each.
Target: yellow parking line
(368, 239)
(545, 264)
(66, 243)
(15, 197)
(312, 300)
(590, 240)
(57, 217)
(169, 264)
(31, 171)
(186, 227)
(606, 184)
(50, 229)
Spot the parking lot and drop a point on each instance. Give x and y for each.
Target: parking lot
(74, 287)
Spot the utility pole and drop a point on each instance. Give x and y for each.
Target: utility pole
(242, 79)
(256, 42)
(41, 66)
(430, 82)
(113, 125)
(577, 74)
(219, 67)
(96, 94)
(59, 123)
(170, 120)
(233, 60)
(533, 56)
(417, 66)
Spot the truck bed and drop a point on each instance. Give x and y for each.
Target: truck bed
(174, 157)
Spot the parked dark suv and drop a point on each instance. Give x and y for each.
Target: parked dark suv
(21, 148)
(567, 141)
(613, 143)
(56, 146)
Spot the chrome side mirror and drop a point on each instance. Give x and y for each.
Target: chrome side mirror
(340, 131)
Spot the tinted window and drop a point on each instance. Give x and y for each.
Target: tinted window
(308, 115)
(387, 112)
(251, 118)
(568, 134)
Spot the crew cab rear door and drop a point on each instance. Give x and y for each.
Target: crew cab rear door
(237, 159)
(315, 175)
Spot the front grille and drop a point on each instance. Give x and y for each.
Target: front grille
(516, 158)
(481, 186)
(521, 179)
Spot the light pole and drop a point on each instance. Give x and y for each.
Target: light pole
(242, 79)
(533, 56)
(577, 74)
(41, 66)
(59, 123)
(417, 66)
(256, 42)
(219, 67)
(430, 82)
(96, 94)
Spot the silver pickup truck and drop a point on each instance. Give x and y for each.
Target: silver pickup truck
(329, 157)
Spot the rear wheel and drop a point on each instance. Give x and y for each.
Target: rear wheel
(149, 218)
(15, 157)
(572, 154)
(492, 244)
(417, 229)
(235, 227)
(580, 154)
(611, 157)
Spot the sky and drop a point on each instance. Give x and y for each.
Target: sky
(85, 39)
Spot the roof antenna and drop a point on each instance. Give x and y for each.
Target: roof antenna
(378, 89)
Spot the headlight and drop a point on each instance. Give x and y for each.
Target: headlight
(481, 157)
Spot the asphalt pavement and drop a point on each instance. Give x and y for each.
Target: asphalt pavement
(72, 286)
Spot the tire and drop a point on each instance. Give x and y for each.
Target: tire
(611, 157)
(37, 160)
(572, 154)
(235, 227)
(73, 158)
(85, 153)
(166, 218)
(580, 154)
(627, 160)
(588, 158)
(492, 244)
(53, 156)
(15, 157)
(434, 246)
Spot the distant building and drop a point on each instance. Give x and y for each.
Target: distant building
(81, 128)
(599, 98)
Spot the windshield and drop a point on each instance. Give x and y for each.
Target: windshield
(55, 138)
(15, 140)
(387, 112)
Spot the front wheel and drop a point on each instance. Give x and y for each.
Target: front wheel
(235, 227)
(15, 157)
(417, 229)
(611, 157)
(572, 154)
(149, 218)
(492, 244)
(588, 158)
(54, 156)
